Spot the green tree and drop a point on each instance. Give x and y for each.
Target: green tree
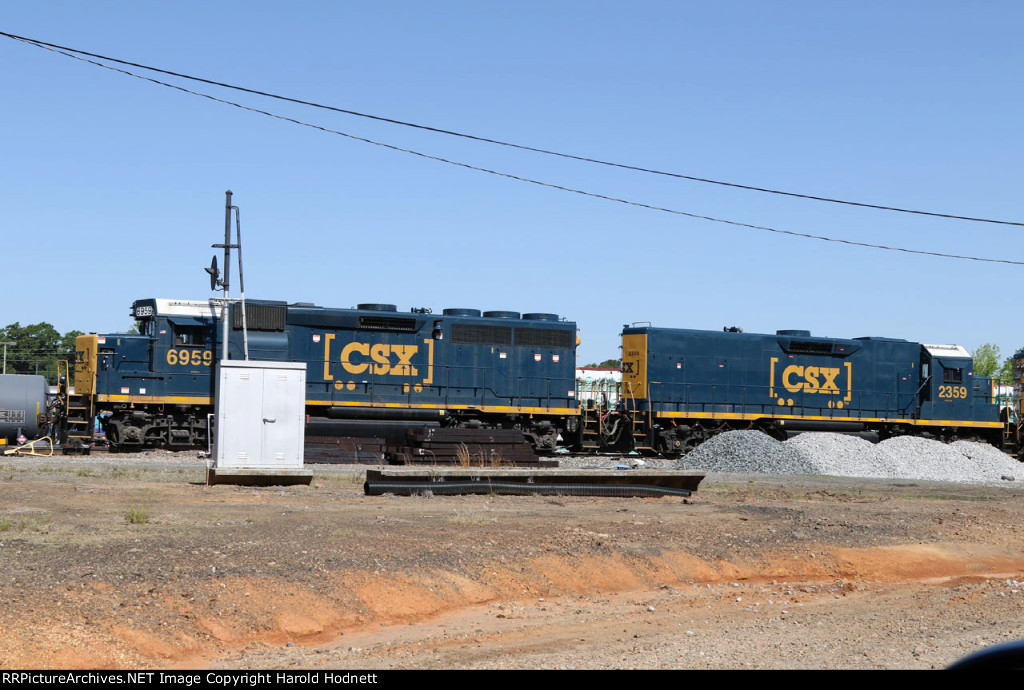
(986, 360)
(67, 343)
(37, 348)
(606, 364)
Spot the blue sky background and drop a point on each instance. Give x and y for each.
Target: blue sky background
(111, 188)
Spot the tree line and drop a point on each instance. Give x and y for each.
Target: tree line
(606, 364)
(986, 363)
(36, 349)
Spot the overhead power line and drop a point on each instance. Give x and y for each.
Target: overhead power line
(517, 177)
(522, 147)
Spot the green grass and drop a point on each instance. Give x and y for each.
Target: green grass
(138, 515)
(32, 524)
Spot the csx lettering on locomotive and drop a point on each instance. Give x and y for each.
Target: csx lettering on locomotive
(354, 355)
(381, 359)
(810, 381)
(798, 378)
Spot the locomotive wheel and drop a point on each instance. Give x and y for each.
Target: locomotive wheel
(696, 436)
(669, 446)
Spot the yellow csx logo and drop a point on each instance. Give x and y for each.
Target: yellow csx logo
(378, 359)
(354, 356)
(797, 378)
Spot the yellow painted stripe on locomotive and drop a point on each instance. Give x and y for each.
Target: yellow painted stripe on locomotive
(745, 416)
(155, 399)
(182, 400)
(442, 408)
(187, 400)
(956, 422)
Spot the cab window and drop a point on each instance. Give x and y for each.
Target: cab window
(953, 376)
(189, 335)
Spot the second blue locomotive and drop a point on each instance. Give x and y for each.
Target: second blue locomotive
(681, 386)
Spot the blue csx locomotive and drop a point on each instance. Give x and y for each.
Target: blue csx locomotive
(680, 386)
(505, 370)
(461, 368)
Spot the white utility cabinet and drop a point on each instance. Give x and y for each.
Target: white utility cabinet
(260, 419)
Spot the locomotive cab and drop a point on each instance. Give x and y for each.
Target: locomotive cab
(153, 387)
(951, 391)
(181, 335)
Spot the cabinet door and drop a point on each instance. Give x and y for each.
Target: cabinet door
(282, 419)
(240, 418)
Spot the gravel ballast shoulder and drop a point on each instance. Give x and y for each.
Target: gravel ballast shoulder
(748, 452)
(841, 455)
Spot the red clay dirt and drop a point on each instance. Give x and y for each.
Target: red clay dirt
(133, 562)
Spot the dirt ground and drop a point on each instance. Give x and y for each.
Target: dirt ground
(134, 563)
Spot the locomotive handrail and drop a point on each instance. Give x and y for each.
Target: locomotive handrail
(63, 383)
(526, 391)
(687, 401)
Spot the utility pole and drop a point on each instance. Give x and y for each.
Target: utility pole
(5, 344)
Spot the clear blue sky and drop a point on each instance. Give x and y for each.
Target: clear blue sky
(111, 188)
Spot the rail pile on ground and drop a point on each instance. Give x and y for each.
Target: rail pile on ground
(904, 457)
(467, 448)
(344, 449)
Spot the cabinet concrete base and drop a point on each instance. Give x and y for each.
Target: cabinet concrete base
(247, 476)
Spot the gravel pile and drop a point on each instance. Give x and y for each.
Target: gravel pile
(748, 452)
(844, 456)
(904, 457)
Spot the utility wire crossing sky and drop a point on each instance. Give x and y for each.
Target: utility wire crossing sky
(743, 129)
(76, 54)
